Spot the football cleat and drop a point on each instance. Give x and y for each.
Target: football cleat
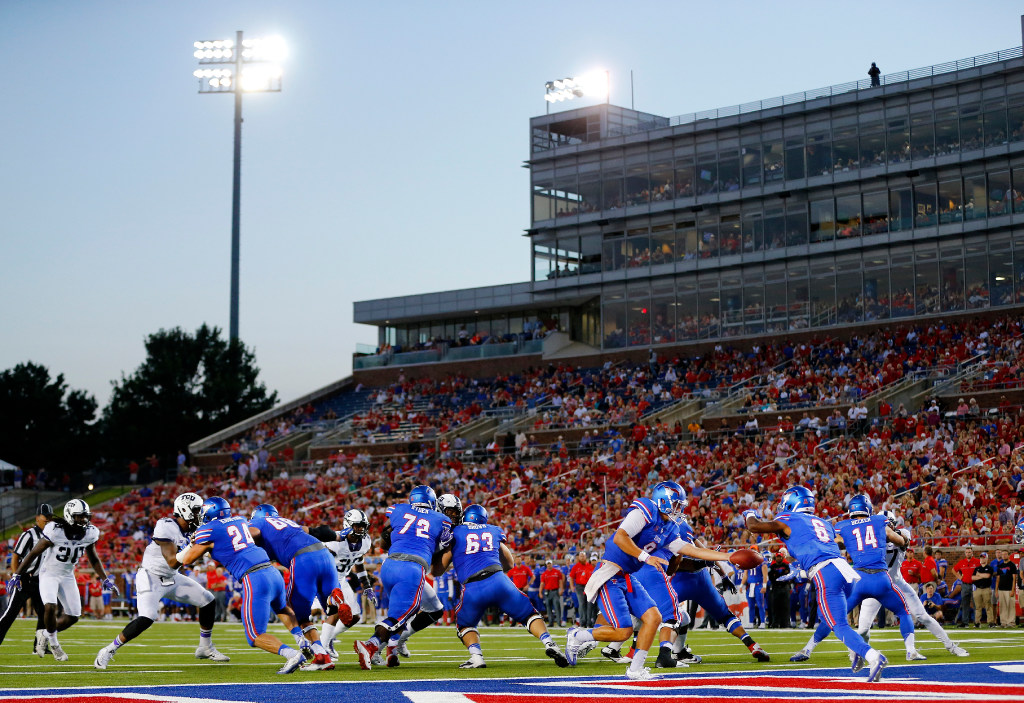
(104, 657)
(377, 659)
(665, 660)
(211, 653)
(639, 675)
(365, 651)
(858, 663)
(615, 655)
(915, 656)
(292, 664)
(306, 647)
(759, 654)
(392, 656)
(58, 653)
(403, 649)
(41, 643)
(875, 672)
(688, 657)
(555, 653)
(956, 650)
(321, 662)
(801, 656)
(331, 651)
(476, 661)
(572, 647)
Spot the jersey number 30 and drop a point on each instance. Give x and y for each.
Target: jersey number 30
(67, 554)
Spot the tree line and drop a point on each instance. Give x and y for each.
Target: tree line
(189, 385)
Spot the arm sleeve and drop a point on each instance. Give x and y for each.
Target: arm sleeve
(324, 533)
(634, 522)
(204, 536)
(675, 545)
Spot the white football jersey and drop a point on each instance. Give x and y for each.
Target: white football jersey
(346, 556)
(167, 530)
(894, 557)
(61, 558)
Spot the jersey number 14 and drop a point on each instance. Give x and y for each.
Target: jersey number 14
(868, 539)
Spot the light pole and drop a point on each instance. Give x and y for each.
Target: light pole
(596, 84)
(236, 75)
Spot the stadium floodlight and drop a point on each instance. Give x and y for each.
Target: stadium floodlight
(238, 66)
(595, 84)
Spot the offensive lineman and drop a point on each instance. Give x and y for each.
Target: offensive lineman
(349, 547)
(69, 538)
(158, 578)
(869, 608)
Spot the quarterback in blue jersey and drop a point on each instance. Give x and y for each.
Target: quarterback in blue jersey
(417, 533)
(310, 569)
(865, 537)
(812, 542)
(229, 541)
(653, 523)
(480, 557)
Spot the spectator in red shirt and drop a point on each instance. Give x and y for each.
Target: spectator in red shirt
(579, 574)
(964, 570)
(551, 580)
(930, 570)
(521, 575)
(217, 583)
(912, 569)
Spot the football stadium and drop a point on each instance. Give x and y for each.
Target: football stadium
(753, 426)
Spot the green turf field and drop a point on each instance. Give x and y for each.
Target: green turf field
(164, 655)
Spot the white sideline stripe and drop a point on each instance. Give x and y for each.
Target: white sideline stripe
(139, 696)
(88, 667)
(1010, 668)
(435, 697)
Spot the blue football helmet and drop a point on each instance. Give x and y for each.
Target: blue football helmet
(264, 510)
(476, 514)
(860, 505)
(670, 498)
(1018, 532)
(797, 499)
(423, 496)
(214, 508)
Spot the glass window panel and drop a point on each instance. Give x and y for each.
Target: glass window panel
(751, 155)
(661, 182)
(708, 229)
(663, 312)
(901, 210)
(638, 185)
(902, 295)
(947, 133)
(845, 151)
(849, 301)
(922, 137)
(729, 235)
(638, 248)
(567, 197)
(1015, 122)
(926, 282)
(568, 254)
(1000, 272)
(776, 319)
(925, 205)
(847, 216)
(995, 124)
(975, 197)
(774, 228)
(687, 240)
(663, 244)
(590, 253)
(614, 253)
(795, 159)
(1018, 267)
(951, 280)
(729, 171)
(977, 281)
(819, 155)
(709, 310)
(876, 212)
(612, 191)
(1000, 199)
(798, 305)
(684, 176)
(753, 232)
(707, 174)
(823, 221)
(774, 159)
(972, 132)
(753, 306)
(872, 145)
(1017, 194)
(732, 306)
(897, 140)
(543, 262)
(590, 192)
(543, 201)
(796, 225)
(951, 201)
(686, 310)
(876, 290)
(823, 295)
(613, 321)
(639, 311)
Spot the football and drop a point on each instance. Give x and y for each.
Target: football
(746, 558)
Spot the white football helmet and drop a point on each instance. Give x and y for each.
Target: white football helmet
(189, 507)
(356, 521)
(450, 506)
(76, 512)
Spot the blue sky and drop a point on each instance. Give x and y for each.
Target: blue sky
(390, 164)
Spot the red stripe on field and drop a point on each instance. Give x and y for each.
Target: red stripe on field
(818, 682)
(88, 698)
(618, 698)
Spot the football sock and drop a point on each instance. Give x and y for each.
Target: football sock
(872, 656)
(326, 634)
(811, 644)
(286, 651)
(473, 649)
(546, 639)
(665, 644)
(205, 637)
(117, 643)
(585, 635)
(748, 640)
(52, 638)
(617, 646)
(318, 648)
(678, 646)
(909, 642)
(374, 641)
(639, 657)
(297, 634)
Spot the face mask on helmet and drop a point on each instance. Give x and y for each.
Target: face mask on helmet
(357, 523)
(451, 507)
(76, 512)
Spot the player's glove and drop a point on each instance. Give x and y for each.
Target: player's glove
(372, 598)
(727, 585)
(747, 513)
(789, 577)
(14, 585)
(109, 585)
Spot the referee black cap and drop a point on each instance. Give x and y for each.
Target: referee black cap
(45, 510)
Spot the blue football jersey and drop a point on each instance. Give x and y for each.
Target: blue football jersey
(282, 538)
(233, 545)
(657, 532)
(811, 539)
(685, 534)
(755, 575)
(476, 547)
(418, 532)
(864, 539)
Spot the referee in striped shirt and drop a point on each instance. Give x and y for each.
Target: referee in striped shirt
(30, 585)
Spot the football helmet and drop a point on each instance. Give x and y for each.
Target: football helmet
(423, 496)
(476, 514)
(214, 508)
(356, 522)
(860, 505)
(76, 512)
(264, 510)
(797, 499)
(891, 519)
(451, 507)
(1018, 532)
(189, 507)
(670, 498)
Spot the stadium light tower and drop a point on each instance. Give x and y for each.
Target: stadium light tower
(596, 84)
(243, 66)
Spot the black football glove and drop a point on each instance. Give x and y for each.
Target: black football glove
(726, 585)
